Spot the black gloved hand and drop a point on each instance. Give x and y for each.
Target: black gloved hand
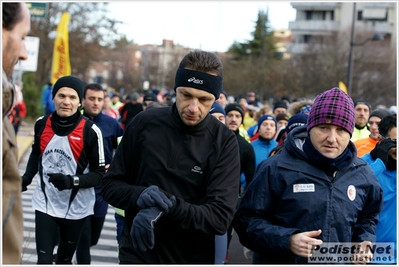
(153, 197)
(142, 231)
(25, 183)
(61, 181)
(381, 150)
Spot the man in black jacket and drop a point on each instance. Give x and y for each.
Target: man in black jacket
(234, 118)
(175, 173)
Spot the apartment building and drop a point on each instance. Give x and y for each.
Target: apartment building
(314, 19)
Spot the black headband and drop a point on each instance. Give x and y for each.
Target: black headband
(199, 80)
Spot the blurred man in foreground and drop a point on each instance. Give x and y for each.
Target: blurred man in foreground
(16, 26)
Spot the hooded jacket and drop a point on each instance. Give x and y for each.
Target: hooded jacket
(288, 196)
(11, 185)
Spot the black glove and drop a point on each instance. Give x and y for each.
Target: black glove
(25, 183)
(381, 150)
(142, 231)
(153, 197)
(61, 181)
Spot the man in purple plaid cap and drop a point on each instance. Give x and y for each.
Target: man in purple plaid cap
(313, 195)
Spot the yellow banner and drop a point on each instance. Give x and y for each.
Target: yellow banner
(61, 65)
(342, 86)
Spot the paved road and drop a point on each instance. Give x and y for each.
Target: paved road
(105, 252)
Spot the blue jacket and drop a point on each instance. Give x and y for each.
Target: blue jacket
(47, 100)
(262, 149)
(386, 227)
(288, 196)
(111, 130)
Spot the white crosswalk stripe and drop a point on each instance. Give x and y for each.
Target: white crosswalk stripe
(104, 253)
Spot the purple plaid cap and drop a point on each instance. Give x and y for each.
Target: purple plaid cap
(332, 107)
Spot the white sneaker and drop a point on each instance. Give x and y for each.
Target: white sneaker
(55, 253)
(74, 261)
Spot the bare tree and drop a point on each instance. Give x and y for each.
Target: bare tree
(325, 63)
(90, 31)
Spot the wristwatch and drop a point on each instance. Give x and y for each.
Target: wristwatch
(75, 181)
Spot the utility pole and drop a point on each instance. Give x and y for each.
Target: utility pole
(350, 60)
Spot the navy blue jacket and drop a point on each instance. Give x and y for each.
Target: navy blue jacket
(288, 196)
(111, 130)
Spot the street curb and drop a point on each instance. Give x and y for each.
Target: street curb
(24, 143)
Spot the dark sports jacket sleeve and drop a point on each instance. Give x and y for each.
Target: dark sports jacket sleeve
(249, 165)
(210, 210)
(32, 166)
(253, 220)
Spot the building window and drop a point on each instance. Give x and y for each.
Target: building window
(99, 79)
(332, 15)
(324, 15)
(93, 73)
(306, 38)
(308, 15)
(360, 15)
(375, 14)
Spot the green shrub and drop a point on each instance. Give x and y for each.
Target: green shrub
(32, 96)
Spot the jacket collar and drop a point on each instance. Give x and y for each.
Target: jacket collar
(8, 95)
(182, 127)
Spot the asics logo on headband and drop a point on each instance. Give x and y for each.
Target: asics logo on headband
(197, 81)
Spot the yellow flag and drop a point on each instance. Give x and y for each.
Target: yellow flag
(342, 86)
(61, 65)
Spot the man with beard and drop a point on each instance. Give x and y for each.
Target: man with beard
(234, 117)
(382, 160)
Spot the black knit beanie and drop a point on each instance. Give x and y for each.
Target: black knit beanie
(236, 107)
(70, 82)
(380, 113)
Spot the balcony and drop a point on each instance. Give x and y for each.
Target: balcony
(374, 26)
(302, 48)
(313, 26)
(297, 48)
(320, 6)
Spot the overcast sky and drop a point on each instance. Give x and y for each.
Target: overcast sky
(208, 25)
